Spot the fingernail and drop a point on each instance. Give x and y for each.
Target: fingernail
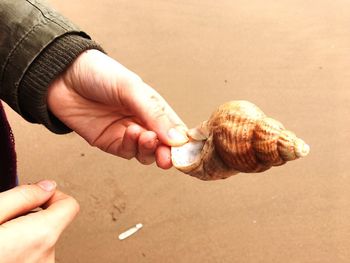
(177, 135)
(47, 185)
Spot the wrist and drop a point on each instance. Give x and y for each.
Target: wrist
(43, 71)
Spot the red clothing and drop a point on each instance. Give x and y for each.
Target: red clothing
(8, 173)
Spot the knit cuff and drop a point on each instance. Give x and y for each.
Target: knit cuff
(52, 61)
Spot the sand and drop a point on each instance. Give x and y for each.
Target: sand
(291, 58)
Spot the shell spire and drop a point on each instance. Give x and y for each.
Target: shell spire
(238, 137)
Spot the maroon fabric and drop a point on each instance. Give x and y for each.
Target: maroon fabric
(8, 171)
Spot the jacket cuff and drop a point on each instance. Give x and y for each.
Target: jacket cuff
(52, 61)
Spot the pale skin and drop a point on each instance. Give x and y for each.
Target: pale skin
(30, 237)
(112, 109)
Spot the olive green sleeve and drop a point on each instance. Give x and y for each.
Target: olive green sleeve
(36, 44)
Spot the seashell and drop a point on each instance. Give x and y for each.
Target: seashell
(238, 137)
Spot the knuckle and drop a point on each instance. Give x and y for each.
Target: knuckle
(71, 207)
(157, 109)
(156, 105)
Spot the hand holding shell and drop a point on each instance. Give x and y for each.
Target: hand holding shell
(238, 137)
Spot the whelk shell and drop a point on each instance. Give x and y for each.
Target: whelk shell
(238, 137)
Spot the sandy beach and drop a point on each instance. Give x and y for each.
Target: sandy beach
(291, 58)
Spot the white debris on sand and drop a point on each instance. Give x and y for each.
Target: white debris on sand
(130, 231)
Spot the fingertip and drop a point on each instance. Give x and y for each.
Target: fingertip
(61, 209)
(69, 201)
(75, 206)
(165, 165)
(47, 185)
(163, 157)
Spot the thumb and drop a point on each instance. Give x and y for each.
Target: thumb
(24, 198)
(155, 112)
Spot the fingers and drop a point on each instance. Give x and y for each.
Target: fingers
(59, 211)
(163, 157)
(144, 146)
(147, 145)
(22, 199)
(156, 113)
(129, 146)
(37, 233)
(139, 143)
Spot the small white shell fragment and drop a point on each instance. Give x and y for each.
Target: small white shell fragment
(130, 231)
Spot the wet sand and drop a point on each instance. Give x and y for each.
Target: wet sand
(291, 58)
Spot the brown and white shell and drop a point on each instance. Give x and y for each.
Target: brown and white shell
(238, 137)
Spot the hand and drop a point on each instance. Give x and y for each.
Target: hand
(29, 237)
(114, 110)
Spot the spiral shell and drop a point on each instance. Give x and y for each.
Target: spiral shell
(238, 137)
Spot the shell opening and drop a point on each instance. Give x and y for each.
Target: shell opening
(187, 155)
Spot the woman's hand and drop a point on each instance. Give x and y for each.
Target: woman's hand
(114, 110)
(30, 237)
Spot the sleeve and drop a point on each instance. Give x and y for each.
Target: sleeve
(36, 45)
